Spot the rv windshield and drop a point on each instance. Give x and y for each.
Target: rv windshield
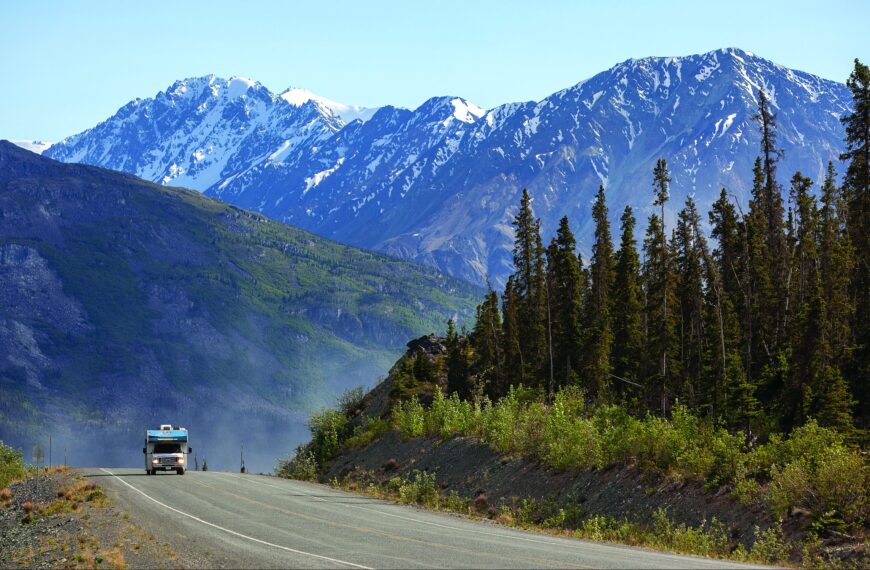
(167, 448)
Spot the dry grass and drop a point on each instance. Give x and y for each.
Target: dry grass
(72, 497)
(115, 559)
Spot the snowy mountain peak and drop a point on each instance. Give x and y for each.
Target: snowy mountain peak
(297, 97)
(466, 111)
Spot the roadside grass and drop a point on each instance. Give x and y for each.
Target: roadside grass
(69, 500)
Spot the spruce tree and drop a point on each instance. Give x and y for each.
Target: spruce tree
(688, 252)
(530, 291)
(457, 363)
(733, 396)
(627, 315)
(836, 265)
(805, 372)
(856, 189)
(658, 283)
(514, 363)
(487, 343)
(774, 252)
(599, 327)
(566, 290)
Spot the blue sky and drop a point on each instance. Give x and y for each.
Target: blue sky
(68, 65)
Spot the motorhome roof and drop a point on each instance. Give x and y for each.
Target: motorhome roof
(171, 435)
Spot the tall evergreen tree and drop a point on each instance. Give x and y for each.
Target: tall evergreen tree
(530, 291)
(599, 327)
(487, 345)
(805, 370)
(511, 346)
(836, 264)
(659, 284)
(733, 395)
(627, 314)
(457, 363)
(856, 188)
(767, 267)
(566, 290)
(688, 251)
(726, 230)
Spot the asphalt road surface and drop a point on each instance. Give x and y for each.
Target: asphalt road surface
(215, 519)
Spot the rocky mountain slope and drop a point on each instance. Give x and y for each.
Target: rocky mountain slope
(125, 304)
(439, 184)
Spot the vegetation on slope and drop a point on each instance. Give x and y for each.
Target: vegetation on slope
(121, 297)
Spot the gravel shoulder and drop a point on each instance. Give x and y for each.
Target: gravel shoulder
(68, 522)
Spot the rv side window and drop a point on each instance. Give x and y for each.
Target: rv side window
(167, 448)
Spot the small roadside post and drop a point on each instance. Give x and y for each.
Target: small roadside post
(38, 457)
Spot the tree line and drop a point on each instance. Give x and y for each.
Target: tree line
(761, 327)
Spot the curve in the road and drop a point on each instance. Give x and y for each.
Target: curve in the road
(260, 517)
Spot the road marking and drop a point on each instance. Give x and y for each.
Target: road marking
(240, 535)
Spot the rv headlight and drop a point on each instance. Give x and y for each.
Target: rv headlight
(155, 461)
(181, 460)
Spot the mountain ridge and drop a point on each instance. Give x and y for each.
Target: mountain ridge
(439, 184)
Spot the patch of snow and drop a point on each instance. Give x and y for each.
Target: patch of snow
(466, 111)
(318, 177)
(33, 146)
(347, 113)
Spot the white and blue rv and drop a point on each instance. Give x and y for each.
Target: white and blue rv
(166, 449)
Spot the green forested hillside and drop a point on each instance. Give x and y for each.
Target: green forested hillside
(124, 304)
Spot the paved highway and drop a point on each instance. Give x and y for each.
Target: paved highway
(218, 519)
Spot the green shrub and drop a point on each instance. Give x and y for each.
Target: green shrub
(570, 442)
(421, 490)
(708, 539)
(450, 417)
(770, 546)
(408, 418)
(370, 430)
(302, 466)
(11, 465)
(455, 503)
(328, 431)
(815, 470)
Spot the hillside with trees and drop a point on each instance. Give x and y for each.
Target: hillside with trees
(734, 360)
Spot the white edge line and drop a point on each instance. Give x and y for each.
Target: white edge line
(666, 555)
(240, 535)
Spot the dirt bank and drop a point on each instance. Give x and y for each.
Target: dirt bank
(470, 468)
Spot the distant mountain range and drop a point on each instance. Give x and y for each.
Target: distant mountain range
(440, 184)
(125, 304)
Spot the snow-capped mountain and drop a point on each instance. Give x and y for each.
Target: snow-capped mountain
(440, 184)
